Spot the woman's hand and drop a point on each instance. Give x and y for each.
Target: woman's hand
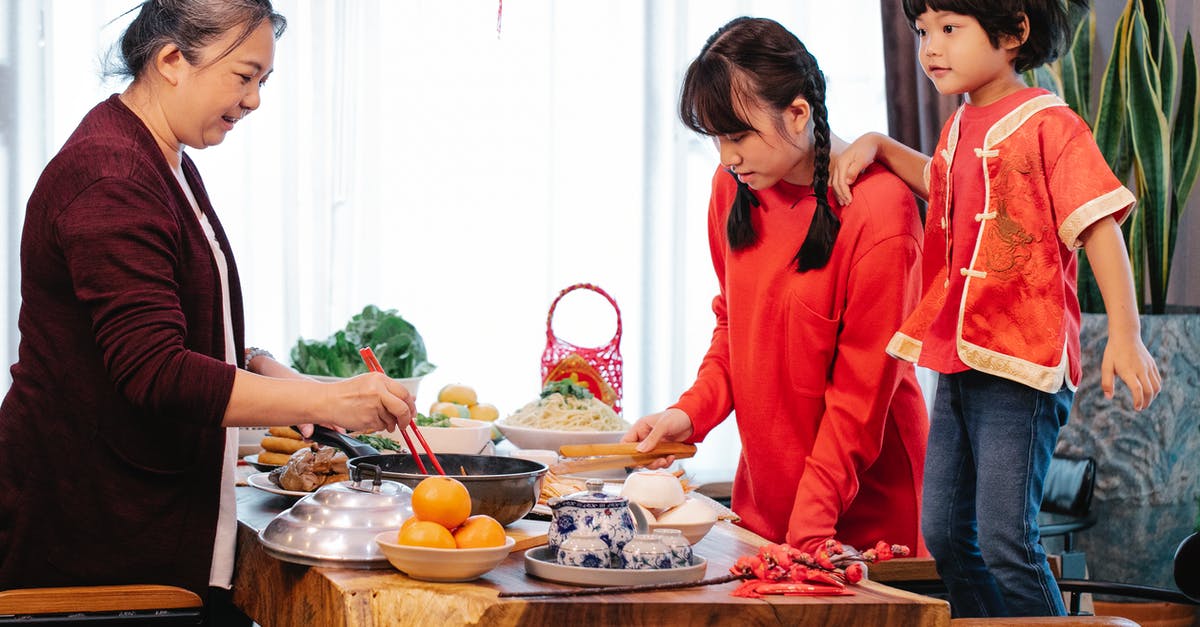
(671, 425)
(369, 402)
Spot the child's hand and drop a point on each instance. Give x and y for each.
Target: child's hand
(850, 163)
(1127, 357)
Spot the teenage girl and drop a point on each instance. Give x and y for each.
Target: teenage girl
(1016, 185)
(832, 429)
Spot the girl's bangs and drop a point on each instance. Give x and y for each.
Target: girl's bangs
(709, 99)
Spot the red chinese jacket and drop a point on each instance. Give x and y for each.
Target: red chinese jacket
(1046, 183)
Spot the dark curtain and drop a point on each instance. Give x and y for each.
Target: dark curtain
(916, 111)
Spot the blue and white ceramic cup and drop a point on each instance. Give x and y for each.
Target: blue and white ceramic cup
(681, 549)
(585, 549)
(646, 552)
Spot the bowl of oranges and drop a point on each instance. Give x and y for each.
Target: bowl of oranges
(442, 541)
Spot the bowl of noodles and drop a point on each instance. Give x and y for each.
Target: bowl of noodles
(564, 413)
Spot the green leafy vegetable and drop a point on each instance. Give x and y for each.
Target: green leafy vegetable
(395, 341)
(566, 387)
(379, 442)
(436, 420)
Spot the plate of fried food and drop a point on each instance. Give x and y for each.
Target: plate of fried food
(276, 447)
(262, 481)
(258, 465)
(305, 471)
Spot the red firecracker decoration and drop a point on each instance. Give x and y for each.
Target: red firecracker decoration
(781, 569)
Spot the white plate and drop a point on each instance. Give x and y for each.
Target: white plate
(552, 439)
(539, 562)
(262, 482)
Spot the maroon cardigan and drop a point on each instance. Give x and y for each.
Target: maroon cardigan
(111, 443)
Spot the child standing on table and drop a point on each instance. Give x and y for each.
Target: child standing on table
(1016, 185)
(833, 430)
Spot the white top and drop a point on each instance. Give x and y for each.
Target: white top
(224, 549)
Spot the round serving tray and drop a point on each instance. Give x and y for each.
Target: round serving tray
(540, 563)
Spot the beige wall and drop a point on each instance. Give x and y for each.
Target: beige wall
(1184, 288)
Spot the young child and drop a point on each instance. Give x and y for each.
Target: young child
(1016, 185)
(833, 430)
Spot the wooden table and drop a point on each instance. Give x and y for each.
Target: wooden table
(275, 593)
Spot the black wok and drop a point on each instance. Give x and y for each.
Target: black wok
(505, 488)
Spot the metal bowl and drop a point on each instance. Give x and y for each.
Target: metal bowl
(505, 488)
(337, 525)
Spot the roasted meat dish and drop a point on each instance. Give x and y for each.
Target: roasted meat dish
(311, 468)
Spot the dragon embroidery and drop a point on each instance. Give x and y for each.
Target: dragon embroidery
(1010, 248)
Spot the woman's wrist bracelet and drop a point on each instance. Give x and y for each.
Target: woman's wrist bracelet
(254, 351)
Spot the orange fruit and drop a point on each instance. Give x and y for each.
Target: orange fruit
(478, 532)
(408, 521)
(443, 500)
(428, 534)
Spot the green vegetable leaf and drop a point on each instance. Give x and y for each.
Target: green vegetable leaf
(566, 387)
(436, 420)
(395, 341)
(379, 442)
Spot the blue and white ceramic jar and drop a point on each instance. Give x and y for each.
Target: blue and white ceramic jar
(584, 549)
(646, 552)
(681, 549)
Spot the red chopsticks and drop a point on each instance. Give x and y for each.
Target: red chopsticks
(372, 362)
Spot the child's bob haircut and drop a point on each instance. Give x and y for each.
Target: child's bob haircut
(1047, 23)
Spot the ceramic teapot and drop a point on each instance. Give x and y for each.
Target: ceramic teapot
(594, 510)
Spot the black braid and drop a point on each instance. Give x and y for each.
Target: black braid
(822, 233)
(739, 227)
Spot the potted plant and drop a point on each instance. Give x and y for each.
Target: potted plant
(1146, 120)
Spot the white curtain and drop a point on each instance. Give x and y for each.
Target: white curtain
(407, 154)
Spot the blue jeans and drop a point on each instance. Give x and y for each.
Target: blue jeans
(990, 443)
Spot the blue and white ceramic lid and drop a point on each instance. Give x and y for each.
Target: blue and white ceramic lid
(593, 495)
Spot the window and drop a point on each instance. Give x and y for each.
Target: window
(407, 155)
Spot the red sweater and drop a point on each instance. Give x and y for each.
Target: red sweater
(833, 429)
(111, 432)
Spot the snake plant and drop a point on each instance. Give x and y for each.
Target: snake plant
(1146, 122)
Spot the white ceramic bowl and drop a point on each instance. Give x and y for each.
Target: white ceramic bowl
(654, 489)
(551, 439)
(469, 437)
(429, 564)
(693, 518)
(694, 532)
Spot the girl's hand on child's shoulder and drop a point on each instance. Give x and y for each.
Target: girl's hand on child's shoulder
(850, 163)
(1127, 358)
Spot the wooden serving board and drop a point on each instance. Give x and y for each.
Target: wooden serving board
(528, 533)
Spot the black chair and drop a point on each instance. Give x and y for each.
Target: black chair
(1067, 499)
(1067, 510)
(1187, 578)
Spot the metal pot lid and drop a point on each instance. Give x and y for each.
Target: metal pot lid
(337, 524)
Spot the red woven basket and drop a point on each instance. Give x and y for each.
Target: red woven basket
(599, 368)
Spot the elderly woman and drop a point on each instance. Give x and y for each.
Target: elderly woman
(132, 366)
